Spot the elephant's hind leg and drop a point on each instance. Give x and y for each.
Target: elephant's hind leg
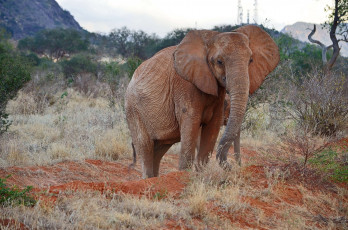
(159, 151)
(144, 146)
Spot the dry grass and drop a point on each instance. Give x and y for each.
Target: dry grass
(214, 185)
(112, 145)
(90, 210)
(24, 104)
(75, 127)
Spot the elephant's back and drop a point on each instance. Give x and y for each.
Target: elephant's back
(153, 75)
(149, 94)
(155, 67)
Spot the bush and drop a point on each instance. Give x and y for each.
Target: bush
(14, 73)
(319, 103)
(77, 65)
(33, 59)
(55, 43)
(112, 72)
(14, 195)
(302, 142)
(132, 64)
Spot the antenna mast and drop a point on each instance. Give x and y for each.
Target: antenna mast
(255, 12)
(240, 13)
(248, 18)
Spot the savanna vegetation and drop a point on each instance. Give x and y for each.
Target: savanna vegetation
(62, 99)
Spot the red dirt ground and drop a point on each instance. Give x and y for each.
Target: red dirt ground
(105, 176)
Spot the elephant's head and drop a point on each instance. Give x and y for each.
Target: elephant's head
(238, 61)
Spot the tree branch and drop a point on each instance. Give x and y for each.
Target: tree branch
(324, 48)
(313, 40)
(336, 48)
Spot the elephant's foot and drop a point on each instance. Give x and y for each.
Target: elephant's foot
(185, 162)
(147, 172)
(226, 166)
(145, 176)
(185, 167)
(238, 158)
(199, 166)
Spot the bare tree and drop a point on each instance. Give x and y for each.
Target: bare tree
(337, 24)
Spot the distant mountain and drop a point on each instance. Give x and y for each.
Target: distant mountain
(300, 31)
(26, 17)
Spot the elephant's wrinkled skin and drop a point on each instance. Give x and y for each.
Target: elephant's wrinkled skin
(179, 93)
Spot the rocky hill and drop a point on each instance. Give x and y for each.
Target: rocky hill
(26, 17)
(300, 31)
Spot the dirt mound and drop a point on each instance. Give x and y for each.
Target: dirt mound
(68, 171)
(93, 175)
(171, 183)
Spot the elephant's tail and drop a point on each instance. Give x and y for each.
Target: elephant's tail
(134, 158)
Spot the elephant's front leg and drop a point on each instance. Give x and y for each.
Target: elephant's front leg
(189, 131)
(209, 135)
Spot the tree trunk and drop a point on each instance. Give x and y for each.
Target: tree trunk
(336, 48)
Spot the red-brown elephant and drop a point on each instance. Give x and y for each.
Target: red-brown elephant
(180, 92)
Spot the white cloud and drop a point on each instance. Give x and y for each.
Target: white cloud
(162, 16)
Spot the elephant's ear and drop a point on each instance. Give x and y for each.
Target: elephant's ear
(265, 55)
(190, 61)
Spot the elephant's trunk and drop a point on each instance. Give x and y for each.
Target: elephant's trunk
(238, 86)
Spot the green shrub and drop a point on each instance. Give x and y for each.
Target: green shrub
(33, 59)
(15, 196)
(112, 72)
(78, 64)
(132, 65)
(55, 43)
(14, 73)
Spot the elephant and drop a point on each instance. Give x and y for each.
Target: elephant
(178, 94)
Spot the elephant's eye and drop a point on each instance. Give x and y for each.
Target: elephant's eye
(220, 62)
(250, 61)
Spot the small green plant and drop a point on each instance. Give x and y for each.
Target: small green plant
(14, 195)
(329, 162)
(65, 94)
(160, 195)
(132, 65)
(4, 122)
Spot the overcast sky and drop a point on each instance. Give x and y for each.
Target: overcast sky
(162, 16)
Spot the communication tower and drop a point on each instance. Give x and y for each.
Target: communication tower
(248, 17)
(240, 13)
(255, 12)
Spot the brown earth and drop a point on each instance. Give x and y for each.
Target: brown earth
(104, 176)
